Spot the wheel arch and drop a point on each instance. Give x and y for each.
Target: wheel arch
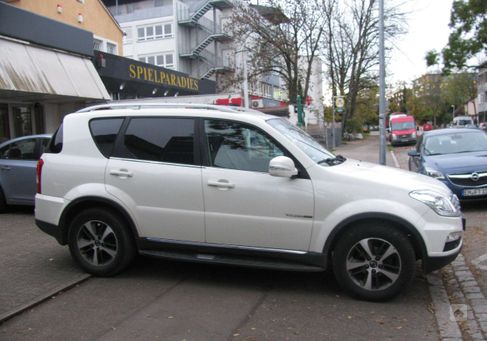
(83, 203)
(398, 223)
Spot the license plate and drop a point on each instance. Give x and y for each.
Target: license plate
(473, 192)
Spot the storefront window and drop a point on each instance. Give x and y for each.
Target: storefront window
(22, 116)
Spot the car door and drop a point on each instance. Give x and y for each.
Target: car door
(155, 171)
(17, 171)
(244, 205)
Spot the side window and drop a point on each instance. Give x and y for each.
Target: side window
(22, 150)
(56, 143)
(104, 132)
(238, 146)
(160, 139)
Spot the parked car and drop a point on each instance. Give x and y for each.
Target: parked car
(455, 156)
(483, 126)
(462, 121)
(18, 160)
(402, 130)
(212, 184)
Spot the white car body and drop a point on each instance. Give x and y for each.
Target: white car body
(236, 208)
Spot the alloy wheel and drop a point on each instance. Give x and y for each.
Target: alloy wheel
(373, 264)
(97, 243)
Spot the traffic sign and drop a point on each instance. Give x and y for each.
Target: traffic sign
(339, 102)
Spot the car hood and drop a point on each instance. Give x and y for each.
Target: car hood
(371, 174)
(458, 163)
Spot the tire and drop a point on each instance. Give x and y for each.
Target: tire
(379, 273)
(3, 202)
(100, 242)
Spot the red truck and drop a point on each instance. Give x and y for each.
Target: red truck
(402, 129)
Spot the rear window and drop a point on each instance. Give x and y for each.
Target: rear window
(104, 132)
(56, 143)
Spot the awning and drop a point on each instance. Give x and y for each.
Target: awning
(28, 71)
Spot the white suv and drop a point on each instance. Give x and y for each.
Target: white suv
(215, 184)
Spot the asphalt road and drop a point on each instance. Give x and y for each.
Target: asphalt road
(165, 300)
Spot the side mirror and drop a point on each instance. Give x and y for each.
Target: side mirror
(413, 153)
(282, 166)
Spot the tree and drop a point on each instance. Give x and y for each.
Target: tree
(351, 47)
(468, 36)
(432, 58)
(283, 38)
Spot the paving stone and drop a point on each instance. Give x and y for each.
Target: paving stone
(479, 301)
(472, 290)
(469, 284)
(474, 295)
(482, 317)
(480, 309)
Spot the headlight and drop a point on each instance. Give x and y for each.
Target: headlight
(442, 205)
(394, 136)
(434, 173)
(413, 135)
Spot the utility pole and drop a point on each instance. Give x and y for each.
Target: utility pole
(245, 80)
(382, 86)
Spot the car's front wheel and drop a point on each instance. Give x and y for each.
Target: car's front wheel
(100, 242)
(374, 261)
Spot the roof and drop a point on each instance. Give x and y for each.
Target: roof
(449, 131)
(142, 108)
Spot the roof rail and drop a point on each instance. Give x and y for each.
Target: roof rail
(141, 105)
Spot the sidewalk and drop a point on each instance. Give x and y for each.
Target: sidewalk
(364, 150)
(33, 266)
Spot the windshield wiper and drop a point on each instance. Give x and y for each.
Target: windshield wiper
(332, 161)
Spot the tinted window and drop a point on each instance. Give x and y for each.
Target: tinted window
(104, 132)
(237, 146)
(21, 150)
(56, 144)
(160, 139)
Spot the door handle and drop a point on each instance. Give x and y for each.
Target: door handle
(221, 184)
(5, 168)
(122, 173)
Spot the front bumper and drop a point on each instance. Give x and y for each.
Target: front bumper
(434, 263)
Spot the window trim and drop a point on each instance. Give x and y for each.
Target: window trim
(302, 173)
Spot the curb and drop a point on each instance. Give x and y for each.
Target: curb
(26, 306)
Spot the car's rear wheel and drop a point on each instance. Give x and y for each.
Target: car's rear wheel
(374, 261)
(100, 242)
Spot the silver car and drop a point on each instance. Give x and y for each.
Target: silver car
(18, 159)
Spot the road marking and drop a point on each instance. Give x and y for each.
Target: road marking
(477, 262)
(394, 158)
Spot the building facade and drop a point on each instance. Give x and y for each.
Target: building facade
(89, 15)
(45, 72)
(190, 36)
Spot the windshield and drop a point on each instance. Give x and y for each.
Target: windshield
(403, 125)
(456, 143)
(301, 140)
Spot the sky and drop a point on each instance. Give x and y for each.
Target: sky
(427, 25)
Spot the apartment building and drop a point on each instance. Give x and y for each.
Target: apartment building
(190, 36)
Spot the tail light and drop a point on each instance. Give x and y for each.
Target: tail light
(40, 164)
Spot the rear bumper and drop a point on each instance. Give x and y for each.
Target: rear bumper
(52, 230)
